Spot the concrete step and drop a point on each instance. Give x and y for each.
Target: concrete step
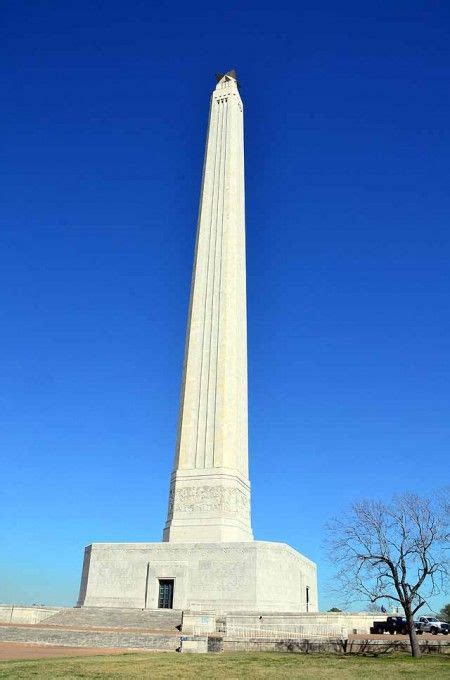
(113, 617)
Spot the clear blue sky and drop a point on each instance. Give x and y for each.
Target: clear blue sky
(347, 166)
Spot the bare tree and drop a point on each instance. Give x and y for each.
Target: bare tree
(393, 552)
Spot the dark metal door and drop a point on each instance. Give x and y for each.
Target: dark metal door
(165, 597)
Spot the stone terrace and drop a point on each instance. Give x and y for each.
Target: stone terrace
(103, 617)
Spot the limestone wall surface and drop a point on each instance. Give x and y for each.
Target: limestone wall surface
(10, 613)
(221, 577)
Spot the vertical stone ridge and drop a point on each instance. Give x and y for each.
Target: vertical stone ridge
(209, 445)
(219, 295)
(210, 298)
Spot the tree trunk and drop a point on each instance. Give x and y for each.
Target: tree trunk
(415, 647)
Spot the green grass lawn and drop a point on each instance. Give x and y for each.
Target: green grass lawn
(230, 666)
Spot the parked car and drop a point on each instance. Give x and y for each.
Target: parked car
(430, 624)
(393, 624)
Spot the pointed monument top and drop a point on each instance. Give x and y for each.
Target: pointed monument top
(228, 75)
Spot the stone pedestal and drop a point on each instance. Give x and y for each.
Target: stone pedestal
(211, 505)
(254, 576)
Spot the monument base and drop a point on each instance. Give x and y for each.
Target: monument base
(222, 577)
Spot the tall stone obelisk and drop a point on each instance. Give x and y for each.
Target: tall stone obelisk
(208, 560)
(210, 492)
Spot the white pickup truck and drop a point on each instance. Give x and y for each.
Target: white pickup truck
(430, 624)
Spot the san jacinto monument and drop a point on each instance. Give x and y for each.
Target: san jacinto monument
(208, 559)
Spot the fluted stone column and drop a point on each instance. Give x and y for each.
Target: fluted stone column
(210, 492)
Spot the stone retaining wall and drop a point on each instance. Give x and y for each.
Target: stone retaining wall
(10, 613)
(299, 646)
(353, 622)
(86, 638)
(313, 623)
(365, 647)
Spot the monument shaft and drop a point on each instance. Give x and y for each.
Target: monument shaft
(210, 492)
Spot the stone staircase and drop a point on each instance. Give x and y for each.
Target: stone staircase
(106, 617)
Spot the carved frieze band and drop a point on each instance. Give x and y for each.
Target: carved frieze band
(204, 499)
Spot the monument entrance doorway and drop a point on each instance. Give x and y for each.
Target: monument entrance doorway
(165, 597)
